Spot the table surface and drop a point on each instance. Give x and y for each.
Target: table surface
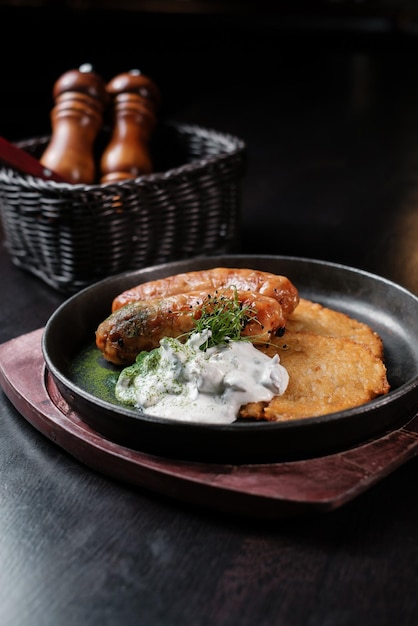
(332, 174)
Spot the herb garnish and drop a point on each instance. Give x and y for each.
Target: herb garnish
(225, 317)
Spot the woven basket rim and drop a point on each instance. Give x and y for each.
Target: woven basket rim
(236, 146)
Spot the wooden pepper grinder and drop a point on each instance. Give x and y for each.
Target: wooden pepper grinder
(135, 100)
(80, 99)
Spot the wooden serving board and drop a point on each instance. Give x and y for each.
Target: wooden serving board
(266, 491)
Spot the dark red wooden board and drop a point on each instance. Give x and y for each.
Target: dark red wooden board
(259, 490)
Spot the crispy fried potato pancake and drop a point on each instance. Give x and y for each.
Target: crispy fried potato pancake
(334, 363)
(319, 320)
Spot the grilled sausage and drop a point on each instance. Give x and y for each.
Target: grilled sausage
(140, 325)
(275, 286)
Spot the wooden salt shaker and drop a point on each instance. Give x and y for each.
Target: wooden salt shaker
(135, 99)
(80, 99)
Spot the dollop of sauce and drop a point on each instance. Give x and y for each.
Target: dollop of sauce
(183, 382)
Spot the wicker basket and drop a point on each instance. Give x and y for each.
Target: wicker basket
(74, 235)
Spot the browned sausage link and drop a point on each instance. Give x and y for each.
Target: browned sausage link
(273, 285)
(141, 325)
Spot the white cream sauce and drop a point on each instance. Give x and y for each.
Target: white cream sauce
(181, 381)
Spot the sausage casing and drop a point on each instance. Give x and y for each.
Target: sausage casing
(244, 280)
(140, 325)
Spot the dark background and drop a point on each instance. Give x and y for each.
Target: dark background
(325, 95)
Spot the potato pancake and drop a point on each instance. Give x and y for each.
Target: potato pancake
(319, 320)
(334, 363)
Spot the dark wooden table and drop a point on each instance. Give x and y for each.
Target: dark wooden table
(332, 134)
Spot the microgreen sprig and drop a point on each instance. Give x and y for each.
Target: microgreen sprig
(225, 317)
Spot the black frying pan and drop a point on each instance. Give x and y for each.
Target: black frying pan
(86, 381)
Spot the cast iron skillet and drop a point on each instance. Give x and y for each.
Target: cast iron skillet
(86, 381)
